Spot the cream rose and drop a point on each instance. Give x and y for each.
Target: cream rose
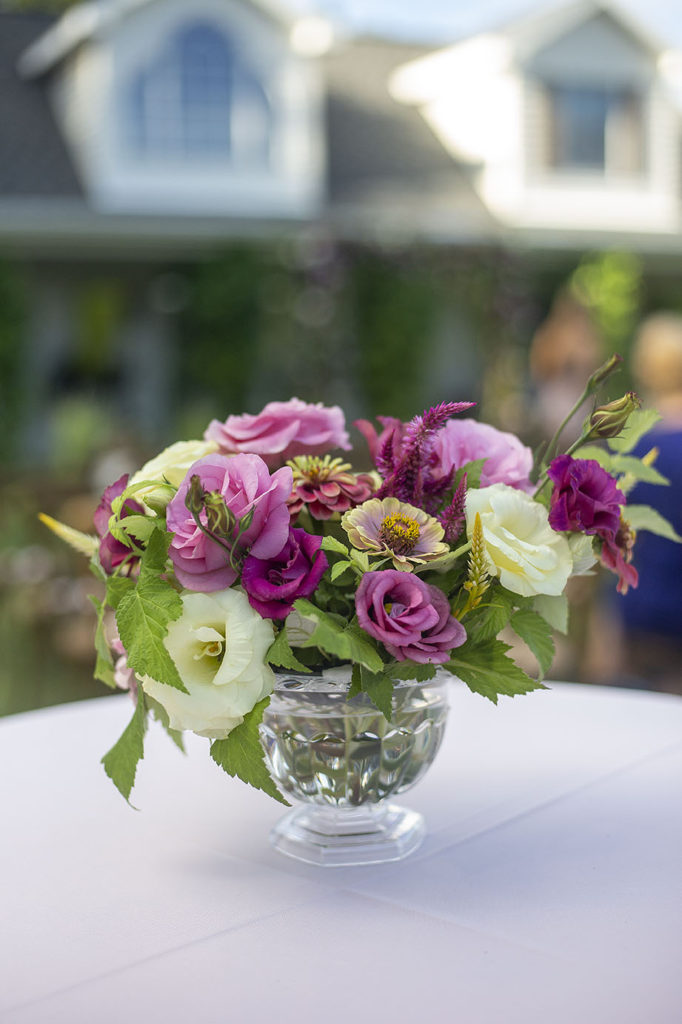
(219, 645)
(170, 466)
(522, 548)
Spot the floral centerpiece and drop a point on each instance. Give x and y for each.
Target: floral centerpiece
(258, 549)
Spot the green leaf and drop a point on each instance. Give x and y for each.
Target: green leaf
(355, 683)
(473, 471)
(117, 586)
(332, 544)
(241, 754)
(537, 635)
(120, 763)
(643, 517)
(281, 654)
(160, 714)
(349, 643)
(554, 610)
(139, 527)
(143, 616)
(486, 621)
(487, 670)
(104, 665)
(379, 689)
(410, 670)
(361, 559)
(639, 423)
(339, 568)
(620, 465)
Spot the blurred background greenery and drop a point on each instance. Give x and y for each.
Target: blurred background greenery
(377, 330)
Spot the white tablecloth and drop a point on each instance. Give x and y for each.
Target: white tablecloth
(548, 888)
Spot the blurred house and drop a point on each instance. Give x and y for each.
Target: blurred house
(136, 135)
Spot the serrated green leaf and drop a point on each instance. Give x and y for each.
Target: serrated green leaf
(410, 670)
(332, 544)
(492, 615)
(620, 465)
(281, 654)
(349, 643)
(639, 423)
(339, 568)
(143, 616)
(379, 689)
(537, 635)
(487, 670)
(160, 715)
(554, 610)
(241, 754)
(104, 664)
(643, 517)
(120, 763)
(117, 586)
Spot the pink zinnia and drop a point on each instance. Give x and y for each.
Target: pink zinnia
(325, 486)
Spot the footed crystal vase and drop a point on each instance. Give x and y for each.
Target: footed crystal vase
(344, 761)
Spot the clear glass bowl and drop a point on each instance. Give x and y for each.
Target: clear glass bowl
(344, 760)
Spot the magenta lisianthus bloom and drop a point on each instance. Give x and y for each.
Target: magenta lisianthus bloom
(112, 552)
(411, 618)
(273, 584)
(585, 497)
(507, 460)
(282, 431)
(245, 483)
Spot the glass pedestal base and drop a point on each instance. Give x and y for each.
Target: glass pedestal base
(338, 836)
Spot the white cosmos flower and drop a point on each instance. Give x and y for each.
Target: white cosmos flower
(170, 466)
(522, 548)
(219, 645)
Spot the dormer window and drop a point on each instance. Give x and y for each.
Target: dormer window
(596, 129)
(199, 98)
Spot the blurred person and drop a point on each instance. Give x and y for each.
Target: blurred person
(650, 616)
(565, 349)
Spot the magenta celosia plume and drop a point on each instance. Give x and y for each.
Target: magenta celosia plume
(282, 430)
(245, 484)
(411, 618)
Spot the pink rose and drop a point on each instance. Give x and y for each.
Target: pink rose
(411, 618)
(245, 483)
(507, 460)
(282, 430)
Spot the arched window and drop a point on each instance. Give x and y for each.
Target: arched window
(199, 98)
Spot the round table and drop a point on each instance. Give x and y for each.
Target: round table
(547, 890)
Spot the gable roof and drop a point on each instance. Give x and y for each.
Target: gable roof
(34, 160)
(82, 22)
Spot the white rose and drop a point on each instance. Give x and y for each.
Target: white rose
(219, 645)
(522, 548)
(170, 466)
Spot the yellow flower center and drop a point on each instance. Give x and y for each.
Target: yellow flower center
(399, 533)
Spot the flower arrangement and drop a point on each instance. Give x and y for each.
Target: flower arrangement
(257, 549)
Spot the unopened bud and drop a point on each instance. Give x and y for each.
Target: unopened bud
(220, 519)
(604, 372)
(194, 499)
(610, 419)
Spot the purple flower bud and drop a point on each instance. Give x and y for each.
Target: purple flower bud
(608, 420)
